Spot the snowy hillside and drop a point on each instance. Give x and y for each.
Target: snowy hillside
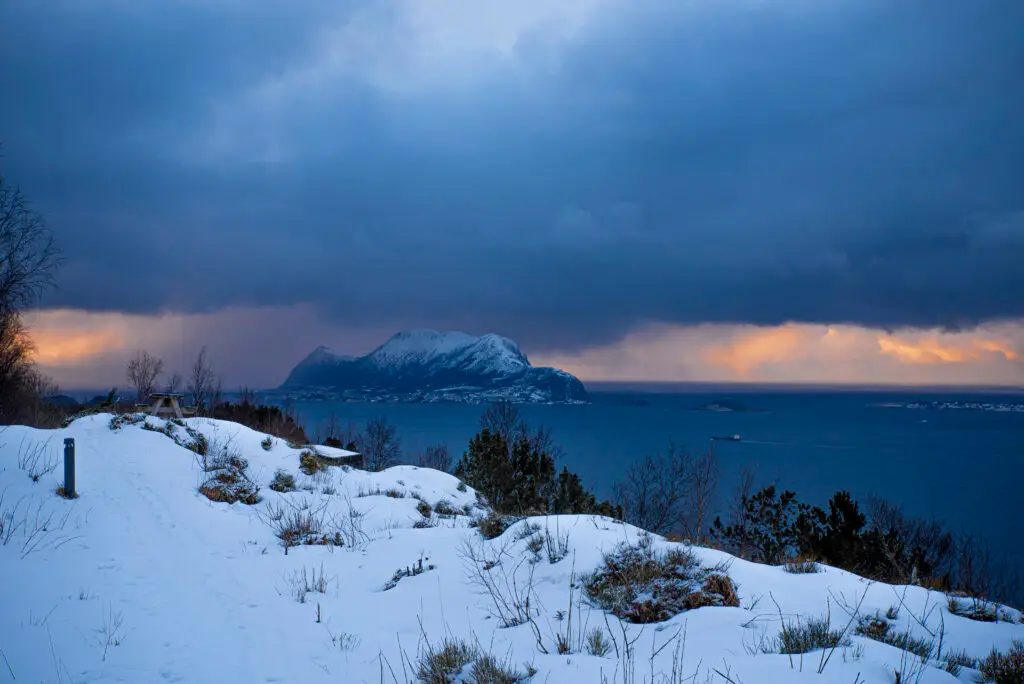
(144, 579)
(426, 365)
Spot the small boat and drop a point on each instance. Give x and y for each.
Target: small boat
(732, 438)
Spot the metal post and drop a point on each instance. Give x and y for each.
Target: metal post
(69, 468)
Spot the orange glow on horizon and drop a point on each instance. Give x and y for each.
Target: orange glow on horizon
(56, 347)
(758, 347)
(932, 351)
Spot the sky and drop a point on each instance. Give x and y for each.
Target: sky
(726, 190)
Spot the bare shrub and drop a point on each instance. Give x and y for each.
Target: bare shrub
(508, 582)
(300, 523)
(703, 485)
(36, 459)
(301, 583)
(379, 444)
(202, 382)
(110, 630)
(556, 545)
(909, 548)
(654, 490)
(436, 456)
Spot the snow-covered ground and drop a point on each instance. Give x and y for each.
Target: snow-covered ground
(143, 579)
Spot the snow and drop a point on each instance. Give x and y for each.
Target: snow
(488, 353)
(142, 579)
(418, 346)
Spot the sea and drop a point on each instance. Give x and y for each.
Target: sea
(957, 456)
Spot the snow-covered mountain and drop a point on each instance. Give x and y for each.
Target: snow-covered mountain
(426, 365)
(143, 579)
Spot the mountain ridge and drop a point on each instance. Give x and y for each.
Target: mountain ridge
(433, 366)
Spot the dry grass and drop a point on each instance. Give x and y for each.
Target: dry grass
(62, 492)
(1004, 668)
(449, 661)
(804, 637)
(441, 664)
(802, 567)
(640, 585)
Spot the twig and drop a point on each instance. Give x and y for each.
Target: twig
(8, 663)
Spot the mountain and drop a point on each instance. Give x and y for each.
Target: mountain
(431, 366)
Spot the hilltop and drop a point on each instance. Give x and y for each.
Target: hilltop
(326, 573)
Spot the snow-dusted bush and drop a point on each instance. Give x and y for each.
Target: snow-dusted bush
(492, 525)
(310, 463)
(444, 507)
(973, 608)
(639, 584)
(283, 481)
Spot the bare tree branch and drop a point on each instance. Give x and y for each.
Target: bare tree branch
(142, 372)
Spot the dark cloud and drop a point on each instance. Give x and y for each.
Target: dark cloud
(855, 161)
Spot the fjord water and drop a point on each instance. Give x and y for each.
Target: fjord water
(965, 467)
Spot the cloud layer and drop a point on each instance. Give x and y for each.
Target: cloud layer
(564, 173)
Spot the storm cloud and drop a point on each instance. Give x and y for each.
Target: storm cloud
(562, 173)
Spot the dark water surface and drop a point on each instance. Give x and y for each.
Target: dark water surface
(963, 466)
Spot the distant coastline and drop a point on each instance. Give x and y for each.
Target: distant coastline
(609, 387)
